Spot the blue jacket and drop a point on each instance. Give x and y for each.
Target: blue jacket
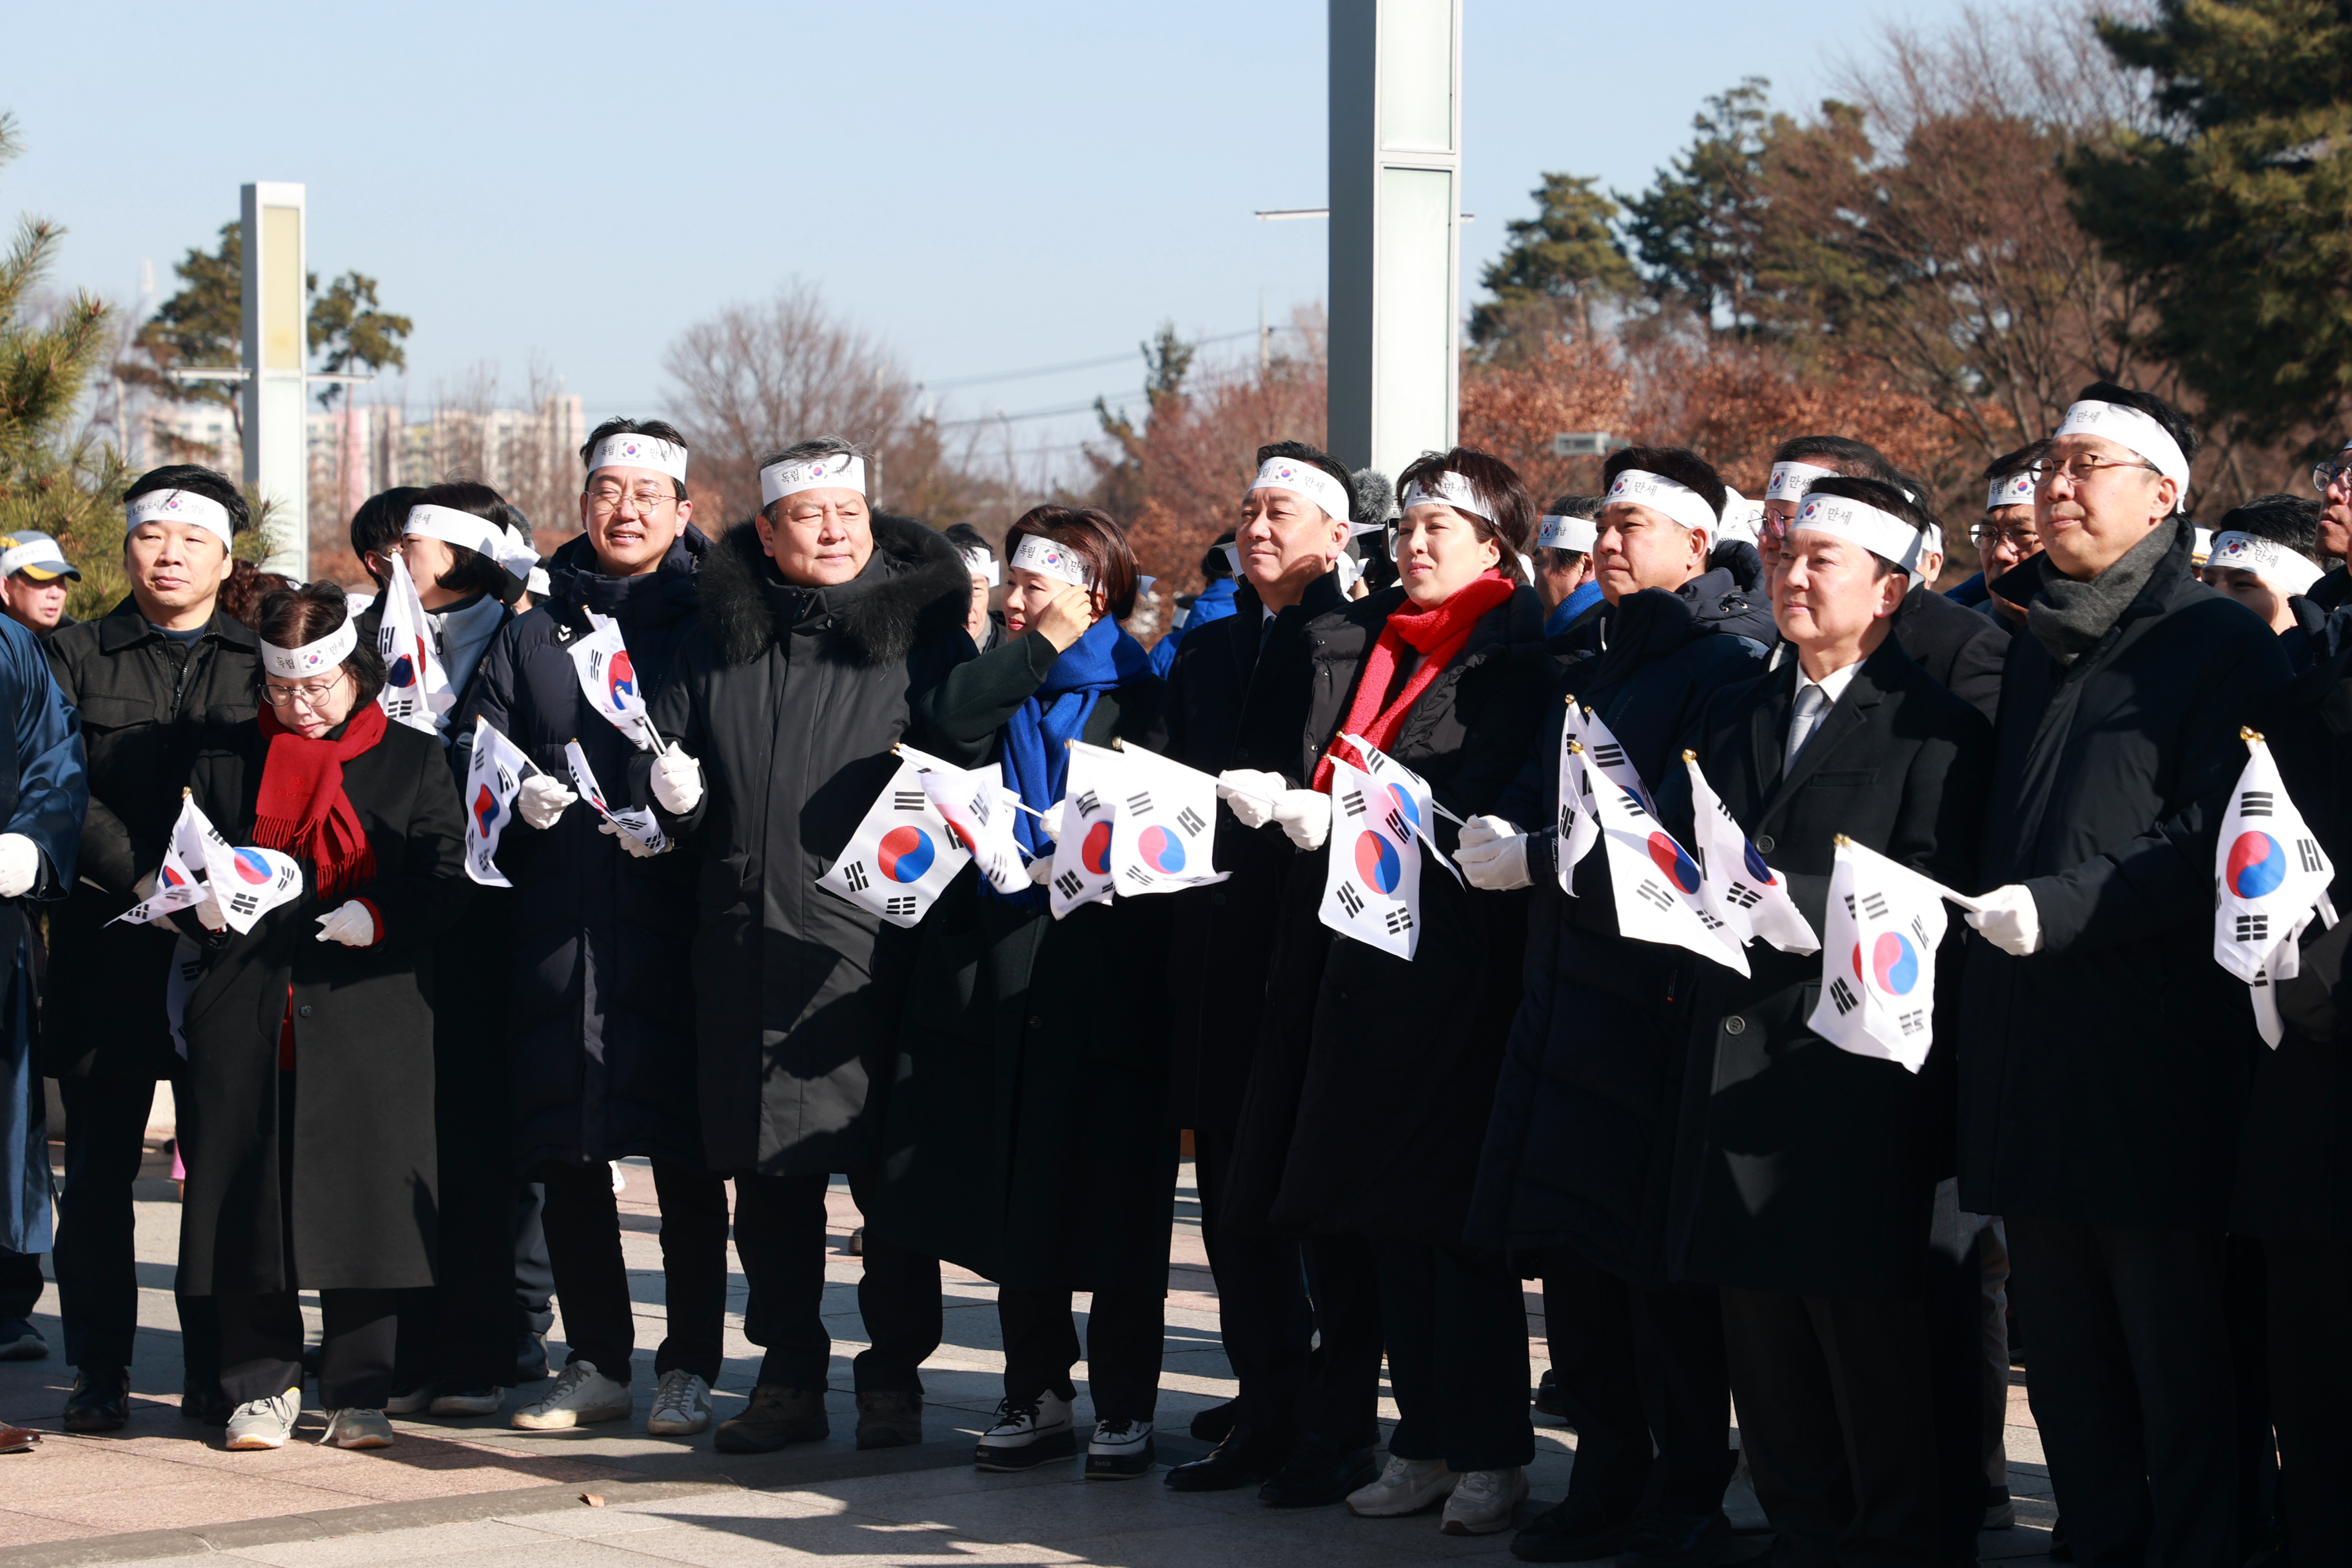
(1215, 602)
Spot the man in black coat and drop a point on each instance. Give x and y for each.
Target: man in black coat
(1805, 1175)
(2103, 1054)
(154, 680)
(819, 617)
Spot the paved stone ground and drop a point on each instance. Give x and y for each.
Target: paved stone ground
(474, 1491)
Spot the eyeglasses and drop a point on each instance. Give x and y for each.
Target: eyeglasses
(314, 695)
(2325, 474)
(2082, 468)
(647, 498)
(1987, 535)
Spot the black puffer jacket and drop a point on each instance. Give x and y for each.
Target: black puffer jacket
(600, 1022)
(792, 697)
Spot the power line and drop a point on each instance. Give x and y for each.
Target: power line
(1087, 406)
(962, 381)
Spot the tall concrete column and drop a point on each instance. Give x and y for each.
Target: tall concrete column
(277, 349)
(1396, 254)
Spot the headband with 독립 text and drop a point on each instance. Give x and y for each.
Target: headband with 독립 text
(1037, 553)
(181, 506)
(328, 653)
(634, 450)
(1303, 478)
(1558, 532)
(1447, 488)
(833, 472)
(1882, 533)
(2274, 563)
(2128, 426)
(1790, 480)
(1678, 500)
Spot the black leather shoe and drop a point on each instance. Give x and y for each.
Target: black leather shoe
(1563, 1534)
(1676, 1541)
(1549, 1398)
(1211, 1424)
(201, 1400)
(1242, 1459)
(1319, 1474)
(100, 1400)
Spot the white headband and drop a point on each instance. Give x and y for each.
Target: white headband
(1576, 533)
(833, 472)
(1882, 533)
(1685, 505)
(635, 451)
(1790, 480)
(2128, 426)
(2012, 489)
(516, 552)
(327, 653)
(2273, 563)
(184, 506)
(1450, 490)
(38, 553)
(1743, 520)
(1037, 553)
(1302, 480)
(979, 562)
(451, 526)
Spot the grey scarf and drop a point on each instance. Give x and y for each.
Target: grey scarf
(2069, 617)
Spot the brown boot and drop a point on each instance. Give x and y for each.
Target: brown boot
(890, 1419)
(776, 1416)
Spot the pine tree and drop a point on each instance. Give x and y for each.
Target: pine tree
(1698, 228)
(1557, 263)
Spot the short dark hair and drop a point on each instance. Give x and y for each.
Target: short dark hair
(1497, 484)
(1567, 506)
(963, 537)
(2289, 520)
(1679, 464)
(1854, 459)
(1886, 496)
(1090, 531)
(2176, 423)
(196, 479)
(1300, 452)
(2029, 455)
(375, 527)
(295, 617)
(658, 429)
(470, 571)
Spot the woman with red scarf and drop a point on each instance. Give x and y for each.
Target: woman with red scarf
(1375, 1074)
(307, 1111)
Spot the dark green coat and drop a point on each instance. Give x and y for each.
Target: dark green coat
(1028, 1137)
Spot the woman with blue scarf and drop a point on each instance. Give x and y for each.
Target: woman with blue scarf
(1026, 1136)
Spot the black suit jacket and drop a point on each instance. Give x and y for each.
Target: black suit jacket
(1960, 649)
(1800, 1167)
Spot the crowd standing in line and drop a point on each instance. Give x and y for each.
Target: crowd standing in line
(803, 849)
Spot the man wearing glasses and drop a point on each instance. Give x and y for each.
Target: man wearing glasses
(2333, 480)
(2102, 1053)
(2006, 538)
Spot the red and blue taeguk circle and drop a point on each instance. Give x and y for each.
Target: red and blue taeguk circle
(1679, 868)
(2257, 865)
(1095, 851)
(253, 865)
(1161, 849)
(1895, 963)
(1404, 805)
(1377, 863)
(906, 853)
(1758, 872)
(485, 811)
(172, 879)
(621, 678)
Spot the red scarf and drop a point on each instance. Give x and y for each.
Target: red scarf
(302, 808)
(1437, 635)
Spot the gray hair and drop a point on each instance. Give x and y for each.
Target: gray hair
(815, 447)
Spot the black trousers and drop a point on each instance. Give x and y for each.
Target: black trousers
(1264, 1317)
(1838, 1423)
(780, 1235)
(460, 1332)
(261, 1346)
(20, 1283)
(1959, 1379)
(95, 1260)
(1126, 1332)
(1456, 1324)
(583, 1244)
(534, 1277)
(2311, 1383)
(1642, 1374)
(2132, 1388)
(1341, 1403)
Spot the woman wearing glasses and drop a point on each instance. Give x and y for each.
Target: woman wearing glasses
(307, 1111)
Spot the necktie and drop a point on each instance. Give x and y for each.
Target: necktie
(1812, 704)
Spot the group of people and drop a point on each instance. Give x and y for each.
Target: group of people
(405, 1086)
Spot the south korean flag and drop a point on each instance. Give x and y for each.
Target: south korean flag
(1579, 828)
(1372, 883)
(1082, 872)
(979, 811)
(1411, 801)
(1878, 958)
(417, 690)
(493, 778)
(903, 854)
(250, 882)
(609, 680)
(1656, 880)
(1735, 884)
(637, 822)
(1163, 837)
(2270, 878)
(179, 880)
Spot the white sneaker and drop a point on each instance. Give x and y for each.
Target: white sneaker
(582, 1395)
(1027, 1434)
(1483, 1501)
(681, 1405)
(411, 1401)
(1120, 1450)
(1407, 1486)
(265, 1423)
(356, 1429)
(466, 1402)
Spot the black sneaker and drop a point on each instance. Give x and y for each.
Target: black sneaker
(1564, 1534)
(1026, 1434)
(1549, 1400)
(1676, 1541)
(1120, 1450)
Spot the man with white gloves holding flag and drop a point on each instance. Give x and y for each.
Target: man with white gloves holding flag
(2102, 1053)
(820, 619)
(1805, 1173)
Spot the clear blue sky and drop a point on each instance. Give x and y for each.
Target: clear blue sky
(986, 186)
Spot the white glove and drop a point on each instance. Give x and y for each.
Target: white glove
(677, 782)
(2010, 921)
(1305, 816)
(1492, 854)
(1041, 869)
(630, 845)
(543, 799)
(20, 865)
(211, 916)
(1251, 794)
(352, 925)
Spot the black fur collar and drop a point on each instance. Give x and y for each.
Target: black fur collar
(915, 579)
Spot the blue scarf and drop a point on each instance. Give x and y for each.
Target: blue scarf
(1036, 759)
(1575, 604)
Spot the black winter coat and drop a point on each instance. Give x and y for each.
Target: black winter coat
(147, 706)
(600, 1015)
(1581, 1146)
(1800, 1167)
(1960, 651)
(1026, 1136)
(1237, 698)
(791, 699)
(1375, 1076)
(364, 1153)
(2102, 1078)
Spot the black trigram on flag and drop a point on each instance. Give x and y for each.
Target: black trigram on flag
(506, 780)
(1566, 818)
(1139, 875)
(905, 800)
(1350, 901)
(1842, 996)
(1140, 804)
(2310, 852)
(905, 906)
(1709, 922)
(1069, 883)
(1088, 804)
(2257, 802)
(1609, 755)
(2253, 928)
(1633, 803)
(1920, 932)
(1651, 890)
(1745, 897)
(1398, 922)
(1394, 822)
(243, 904)
(1875, 904)
(979, 809)
(1190, 821)
(1352, 803)
(855, 875)
(1849, 906)
(1911, 1023)
(191, 969)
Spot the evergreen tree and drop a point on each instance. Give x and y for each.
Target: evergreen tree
(1557, 262)
(1698, 228)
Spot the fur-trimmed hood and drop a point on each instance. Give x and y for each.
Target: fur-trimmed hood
(914, 579)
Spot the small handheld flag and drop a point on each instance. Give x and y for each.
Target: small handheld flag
(1878, 958)
(1372, 883)
(1082, 873)
(493, 778)
(903, 854)
(417, 690)
(1162, 835)
(2270, 878)
(636, 822)
(608, 680)
(1413, 799)
(978, 810)
(1656, 880)
(1735, 884)
(177, 880)
(1580, 829)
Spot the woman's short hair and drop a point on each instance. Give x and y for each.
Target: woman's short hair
(1090, 533)
(1497, 484)
(470, 571)
(296, 618)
